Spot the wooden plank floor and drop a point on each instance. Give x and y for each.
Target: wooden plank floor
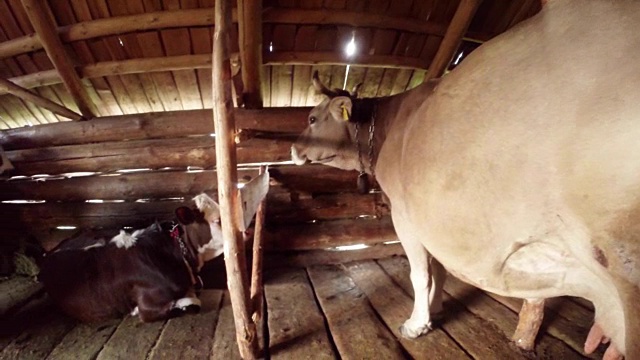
(348, 311)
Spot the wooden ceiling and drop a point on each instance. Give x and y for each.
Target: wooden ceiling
(138, 56)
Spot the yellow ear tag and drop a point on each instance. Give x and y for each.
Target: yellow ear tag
(345, 114)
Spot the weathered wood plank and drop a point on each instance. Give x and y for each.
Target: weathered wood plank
(132, 339)
(190, 336)
(224, 341)
(303, 259)
(84, 341)
(394, 307)
(355, 328)
(296, 326)
(39, 338)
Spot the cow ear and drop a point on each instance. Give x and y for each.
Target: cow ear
(340, 108)
(185, 215)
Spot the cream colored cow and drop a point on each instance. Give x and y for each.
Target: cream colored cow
(520, 170)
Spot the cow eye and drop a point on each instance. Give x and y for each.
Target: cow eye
(312, 120)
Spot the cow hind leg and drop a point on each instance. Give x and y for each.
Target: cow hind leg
(427, 277)
(529, 321)
(544, 269)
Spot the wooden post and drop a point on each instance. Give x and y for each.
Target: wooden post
(256, 268)
(452, 38)
(41, 19)
(24, 94)
(223, 116)
(250, 37)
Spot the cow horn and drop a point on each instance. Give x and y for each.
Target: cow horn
(356, 89)
(320, 87)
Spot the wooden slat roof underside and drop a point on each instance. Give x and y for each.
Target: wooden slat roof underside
(396, 42)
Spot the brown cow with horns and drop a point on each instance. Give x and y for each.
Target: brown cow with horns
(519, 171)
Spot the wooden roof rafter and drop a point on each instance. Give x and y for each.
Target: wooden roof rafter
(359, 20)
(114, 25)
(202, 61)
(40, 17)
(202, 17)
(250, 38)
(7, 86)
(453, 37)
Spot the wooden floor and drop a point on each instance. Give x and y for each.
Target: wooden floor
(349, 311)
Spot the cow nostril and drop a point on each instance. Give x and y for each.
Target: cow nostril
(298, 159)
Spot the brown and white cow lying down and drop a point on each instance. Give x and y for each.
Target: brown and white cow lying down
(519, 171)
(150, 272)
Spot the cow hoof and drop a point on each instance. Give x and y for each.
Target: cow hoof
(409, 332)
(526, 344)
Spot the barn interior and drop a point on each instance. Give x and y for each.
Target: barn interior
(106, 117)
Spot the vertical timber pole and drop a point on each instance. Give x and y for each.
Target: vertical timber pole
(256, 268)
(224, 122)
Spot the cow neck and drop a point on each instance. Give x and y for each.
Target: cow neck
(363, 112)
(176, 232)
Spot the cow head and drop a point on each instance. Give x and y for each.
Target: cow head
(329, 137)
(202, 228)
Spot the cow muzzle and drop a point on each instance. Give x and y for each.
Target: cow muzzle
(297, 158)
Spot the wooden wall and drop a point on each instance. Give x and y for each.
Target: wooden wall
(127, 171)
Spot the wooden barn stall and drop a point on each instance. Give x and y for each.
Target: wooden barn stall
(105, 111)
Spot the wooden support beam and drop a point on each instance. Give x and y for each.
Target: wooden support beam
(42, 21)
(200, 61)
(114, 25)
(160, 185)
(151, 126)
(7, 86)
(295, 16)
(115, 215)
(124, 67)
(256, 266)
(223, 116)
(88, 215)
(455, 32)
(203, 17)
(339, 58)
(328, 234)
(195, 152)
(307, 258)
(250, 39)
(283, 210)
